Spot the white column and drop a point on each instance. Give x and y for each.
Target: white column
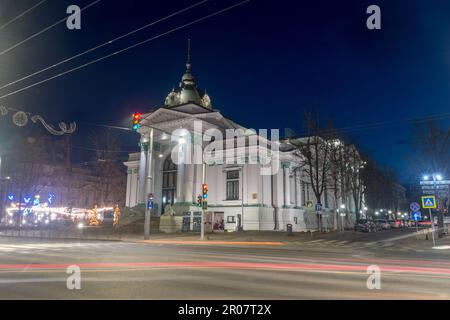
(298, 189)
(189, 183)
(128, 194)
(142, 173)
(197, 189)
(287, 185)
(149, 166)
(180, 182)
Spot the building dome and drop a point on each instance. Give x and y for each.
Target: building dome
(187, 92)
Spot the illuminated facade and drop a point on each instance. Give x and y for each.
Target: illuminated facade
(240, 195)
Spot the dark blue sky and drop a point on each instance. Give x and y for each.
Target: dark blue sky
(262, 64)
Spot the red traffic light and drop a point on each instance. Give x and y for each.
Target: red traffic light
(136, 118)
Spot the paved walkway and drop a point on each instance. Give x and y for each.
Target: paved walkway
(348, 239)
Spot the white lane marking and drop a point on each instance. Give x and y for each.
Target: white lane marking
(315, 241)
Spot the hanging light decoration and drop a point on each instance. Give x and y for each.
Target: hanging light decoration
(3, 111)
(20, 118)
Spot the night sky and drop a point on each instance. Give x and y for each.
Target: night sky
(262, 64)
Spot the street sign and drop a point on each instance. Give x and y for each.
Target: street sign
(150, 201)
(428, 202)
(309, 204)
(416, 216)
(435, 183)
(440, 187)
(414, 207)
(318, 207)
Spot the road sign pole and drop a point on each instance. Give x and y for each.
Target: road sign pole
(202, 227)
(148, 185)
(432, 227)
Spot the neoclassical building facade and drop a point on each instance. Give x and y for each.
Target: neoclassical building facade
(242, 195)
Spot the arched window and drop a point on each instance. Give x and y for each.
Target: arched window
(169, 182)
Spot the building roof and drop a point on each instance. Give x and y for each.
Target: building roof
(188, 92)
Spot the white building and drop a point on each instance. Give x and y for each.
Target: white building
(239, 194)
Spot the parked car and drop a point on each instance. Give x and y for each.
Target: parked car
(382, 224)
(395, 224)
(365, 225)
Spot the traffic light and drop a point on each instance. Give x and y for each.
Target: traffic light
(136, 119)
(205, 191)
(199, 200)
(205, 196)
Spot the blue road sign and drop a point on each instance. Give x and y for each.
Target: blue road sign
(414, 207)
(429, 202)
(416, 216)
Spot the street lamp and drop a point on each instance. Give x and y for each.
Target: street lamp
(436, 177)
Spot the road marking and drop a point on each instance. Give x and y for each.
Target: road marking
(206, 242)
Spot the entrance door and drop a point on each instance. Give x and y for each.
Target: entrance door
(169, 183)
(239, 222)
(208, 222)
(219, 223)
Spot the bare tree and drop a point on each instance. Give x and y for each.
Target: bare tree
(107, 166)
(433, 144)
(355, 165)
(315, 149)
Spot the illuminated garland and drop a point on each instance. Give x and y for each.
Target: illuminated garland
(20, 119)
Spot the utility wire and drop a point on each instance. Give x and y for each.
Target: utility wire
(125, 49)
(21, 15)
(377, 125)
(44, 30)
(103, 44)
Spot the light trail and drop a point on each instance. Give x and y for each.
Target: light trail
(233, 265)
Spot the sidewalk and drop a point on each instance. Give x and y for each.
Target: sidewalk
(246, 238)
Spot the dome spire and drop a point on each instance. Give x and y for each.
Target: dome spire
(188, 63)
(187, 92)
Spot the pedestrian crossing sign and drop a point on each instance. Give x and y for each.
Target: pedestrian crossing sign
(429, 202)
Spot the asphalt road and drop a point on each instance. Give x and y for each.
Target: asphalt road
(36, 269)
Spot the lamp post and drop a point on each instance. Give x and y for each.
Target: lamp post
(435, 177)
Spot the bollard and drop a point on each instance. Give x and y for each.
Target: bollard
(289, 229)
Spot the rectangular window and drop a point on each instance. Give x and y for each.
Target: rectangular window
(231, 219)
(233, 185)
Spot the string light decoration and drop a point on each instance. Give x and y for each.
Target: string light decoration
(20, 118)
